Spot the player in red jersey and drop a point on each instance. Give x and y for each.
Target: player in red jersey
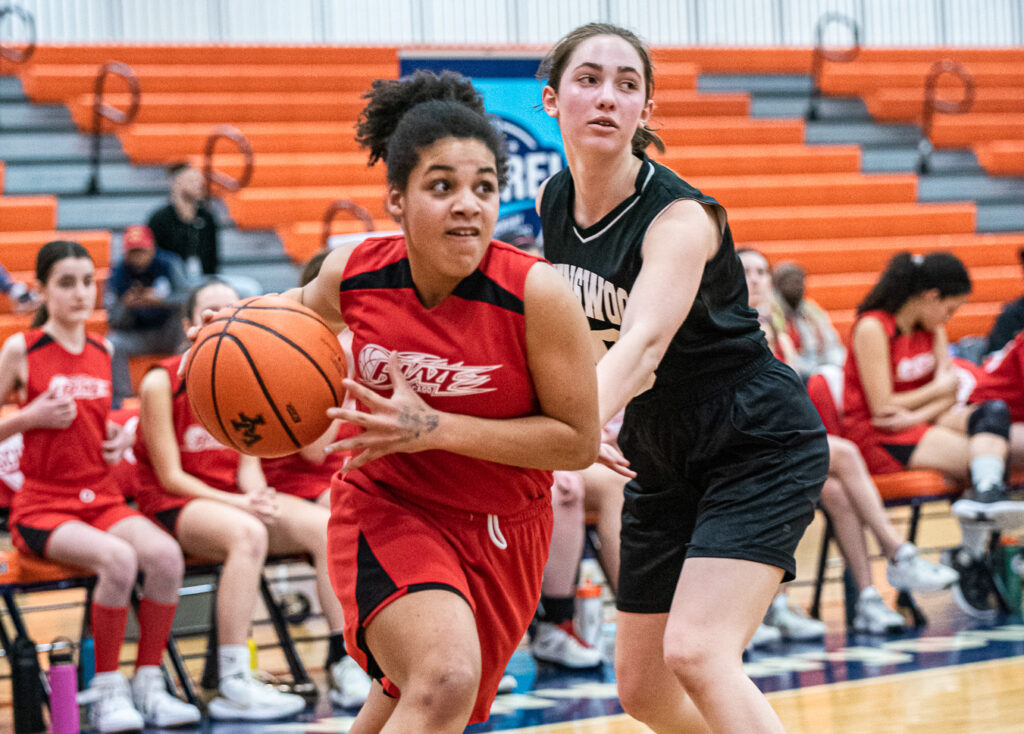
(70, 509)
(474, 381)
(901, 405)
(218, 505)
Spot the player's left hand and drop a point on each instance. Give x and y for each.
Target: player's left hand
(117, 442)
(610, 456)
(400, 423)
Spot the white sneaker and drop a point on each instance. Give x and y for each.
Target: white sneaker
(111, 709)
(791, 623)
(910, 572)
(157, 706)
(243, 697)
(348, 684)
(873, 616)
(559, 644)
(764, 635)
(507, 684)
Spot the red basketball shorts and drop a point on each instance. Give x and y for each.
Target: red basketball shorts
(36, 513)
(382, 547)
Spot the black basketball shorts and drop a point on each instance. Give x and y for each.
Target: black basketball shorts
(733, 473)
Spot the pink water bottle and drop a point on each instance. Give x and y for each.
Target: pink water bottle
(63, 688)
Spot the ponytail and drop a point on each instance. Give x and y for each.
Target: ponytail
(908, 275)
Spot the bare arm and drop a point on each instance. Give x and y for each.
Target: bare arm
(675, 251)
(871, 350)
(321, 293)
(566, 433)
(46, 411)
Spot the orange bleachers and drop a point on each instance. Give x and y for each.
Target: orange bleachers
(859, 77)
(19, 248)
(905, 105)
(962, 131)
(863, 220)
(1003, 157)
(732, 160)
(19, 213)
(301, 169)
(784, 190)
(871, 254)
(302, 240)
(684, 131)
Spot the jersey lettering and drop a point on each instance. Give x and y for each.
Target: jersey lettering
(600, 298)
(426, 373)
(198, 439)
(79, 387)
(914, 368)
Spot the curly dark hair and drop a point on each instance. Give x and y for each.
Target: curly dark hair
(406, 115)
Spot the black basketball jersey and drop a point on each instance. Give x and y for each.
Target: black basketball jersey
(601, 263)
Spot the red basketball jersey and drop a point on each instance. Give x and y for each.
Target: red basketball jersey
(466, 355)
(68, 459)
(292, 474)
(202, 455)
(1002, 378)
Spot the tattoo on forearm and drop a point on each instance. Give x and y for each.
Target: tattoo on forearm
(417, 422)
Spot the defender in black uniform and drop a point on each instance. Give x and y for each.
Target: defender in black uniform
(728, 451)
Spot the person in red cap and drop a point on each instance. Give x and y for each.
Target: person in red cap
(143, 301)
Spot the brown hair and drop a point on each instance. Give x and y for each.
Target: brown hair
(49, 255)
(553, 66)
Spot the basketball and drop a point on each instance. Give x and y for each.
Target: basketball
(262, 374)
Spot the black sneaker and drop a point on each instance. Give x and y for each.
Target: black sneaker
(993, 505)
(974, 592)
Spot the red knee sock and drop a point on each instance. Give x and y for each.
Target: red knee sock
(155, 620)
(108, 633)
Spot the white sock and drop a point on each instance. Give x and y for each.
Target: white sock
(987, 472)
(232, 659)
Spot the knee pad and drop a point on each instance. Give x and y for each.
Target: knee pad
(992, 416)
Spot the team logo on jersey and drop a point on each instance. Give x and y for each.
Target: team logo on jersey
(248, 427)
(426, 373)
(601, 299)
(914, 368)
(197, 439)
(80, 387)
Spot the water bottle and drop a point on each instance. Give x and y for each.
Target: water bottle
(26, 687)
(589, 608)
(86, 662)
(63, 677)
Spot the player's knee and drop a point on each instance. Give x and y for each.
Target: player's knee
(636, 695)
(843, 454)
(992, 416)
(690, 658)
(444, 691)
(833, 498)
(162, 561)
(249, 540)
(120, 565)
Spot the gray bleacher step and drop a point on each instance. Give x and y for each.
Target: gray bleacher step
(272, 277)
(28, 117)
(106, 211)
(20, 147)
(767, 84)
(888, 159)
(974, 186)
(829, 132)
(73, 178)
(1000, 217)
(789, 107)
(11, 90)
(242, 246)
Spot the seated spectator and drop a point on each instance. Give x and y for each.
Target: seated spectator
(1009, 323)
(816, 344)
(143, 300)
(852, 502)
(188, 228)
(218, 505)
(902, 411)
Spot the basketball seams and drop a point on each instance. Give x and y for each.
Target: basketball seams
(293, 345)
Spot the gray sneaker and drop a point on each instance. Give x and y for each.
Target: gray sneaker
(910, 572)
(872, 615)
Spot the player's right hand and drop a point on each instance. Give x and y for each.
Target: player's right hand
(191, 333)
(49, 410)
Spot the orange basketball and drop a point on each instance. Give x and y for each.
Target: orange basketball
(262, 374)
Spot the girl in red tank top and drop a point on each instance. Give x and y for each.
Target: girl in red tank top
(70, 509)
(474, 380)
(901, 403)
(218, 505)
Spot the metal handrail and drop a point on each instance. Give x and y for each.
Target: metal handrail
(13, 55)
(102, 111)
(217, 177)
(821, 54)
(932, 105)
(345, 205)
